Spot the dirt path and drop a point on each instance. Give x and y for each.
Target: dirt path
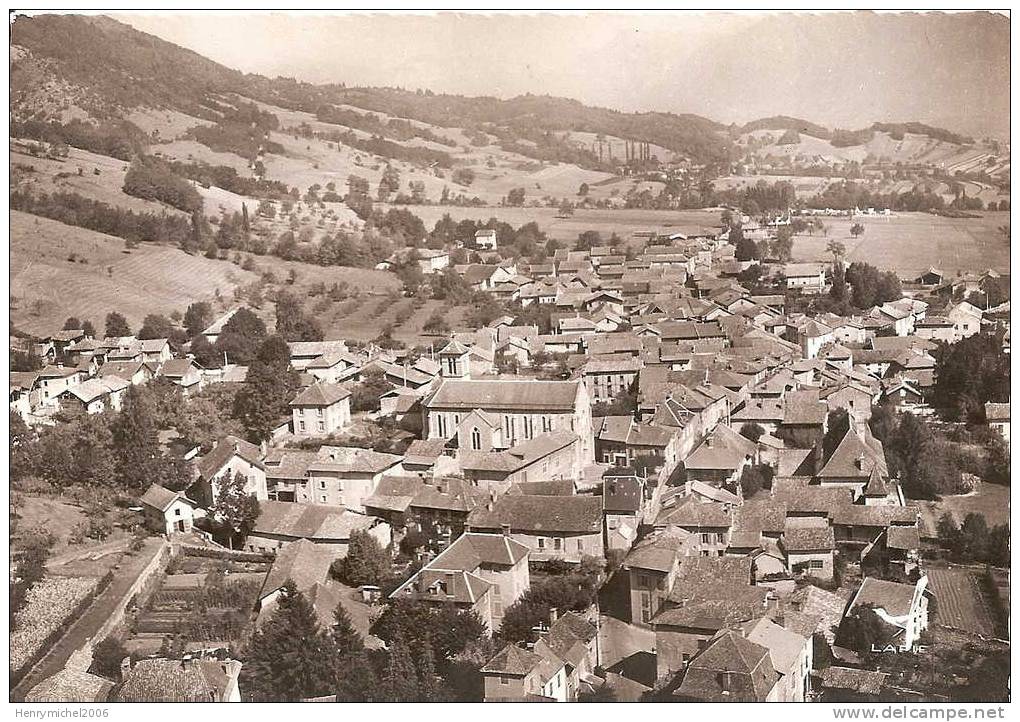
(90, 622)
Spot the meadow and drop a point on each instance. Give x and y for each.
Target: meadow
(59, 271)
(909, 243)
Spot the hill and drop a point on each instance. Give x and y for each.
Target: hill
(59, 271)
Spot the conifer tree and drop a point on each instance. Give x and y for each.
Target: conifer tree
(134, 437)
(356, 680)
(290, 657)
(345, 637)
(400, 682)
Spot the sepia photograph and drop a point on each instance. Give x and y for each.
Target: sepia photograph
(478, 356)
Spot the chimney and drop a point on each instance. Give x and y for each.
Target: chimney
(554, 614)
(860, 462)
(505, 528)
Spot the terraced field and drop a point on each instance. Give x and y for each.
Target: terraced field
(961, 603)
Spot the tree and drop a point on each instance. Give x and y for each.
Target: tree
(566, 209)
(107, 657)
(862, 630)
(436, 324)
(582, 189)
(241, 337)
(515, 197)
(117, 325)
(198, 317)
(430, 686)
(400, 682)
(356, 680)
(746, 250)
(856, 230)
(235, 509)
(156, 326)
(588, 240)
(948, 532)
(449, 630)
(366, 561)
(753, 479)
(602, 693)
(345, 637)
(365, 396)
(290, 657)
(781, 247)
(973, 538)
(968, 374)
(22, 361)
(836, 249)
(134, 436)
(752, 431)
(72, 323)
(838, 424)
(268, 389)
(292, 323)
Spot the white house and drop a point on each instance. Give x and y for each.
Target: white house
(904, 607)
(321, 409)
(486, 238)
(808, 277)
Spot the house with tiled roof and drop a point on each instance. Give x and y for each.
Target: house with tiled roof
(554, 455)
(520, 675)
(852, 462)
(482, 572)
(621, 441)
(997, 417)
(184, 373)
(809, 549)
(281, 523)
(607, 379)
(230, 456)
(552, 527)
(708, 595)
(903, 608)
(623, 502)
(175, 680)
(93, 396)
(73, 683)
(169, 512)
(652, 566)
(721, 457)
(321, 409)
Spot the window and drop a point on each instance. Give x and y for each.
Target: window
(546, 424)
(322, 425)
(177, 511)
(557, 544)
(318, 412)
(706, 538)
(322, 498)
(441, 425)
(541, 542)
(504, 680)
(528, 427)
(816, 564)
(322, 484)
(301, 425)
(476, 439)
(580, 545)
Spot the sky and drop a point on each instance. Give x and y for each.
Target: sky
(843, 70)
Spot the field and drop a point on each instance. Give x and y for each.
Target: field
(105, 276)
(623, 222)
(961, 603)
(909, 243)
(989, 500)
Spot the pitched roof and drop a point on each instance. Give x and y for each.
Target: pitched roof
(212, 463)
(895, 598)
(565, 514)
(518, 394)
(804, 408)
(809, 539)
(512, 660)
(303, 562)
(171, 680)
(159, 497)
(321, 394)
(352, 459)
(658, 552)
(855, 457)
(308, 521)
(862, 681)
(730, 669)
(70, 685)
